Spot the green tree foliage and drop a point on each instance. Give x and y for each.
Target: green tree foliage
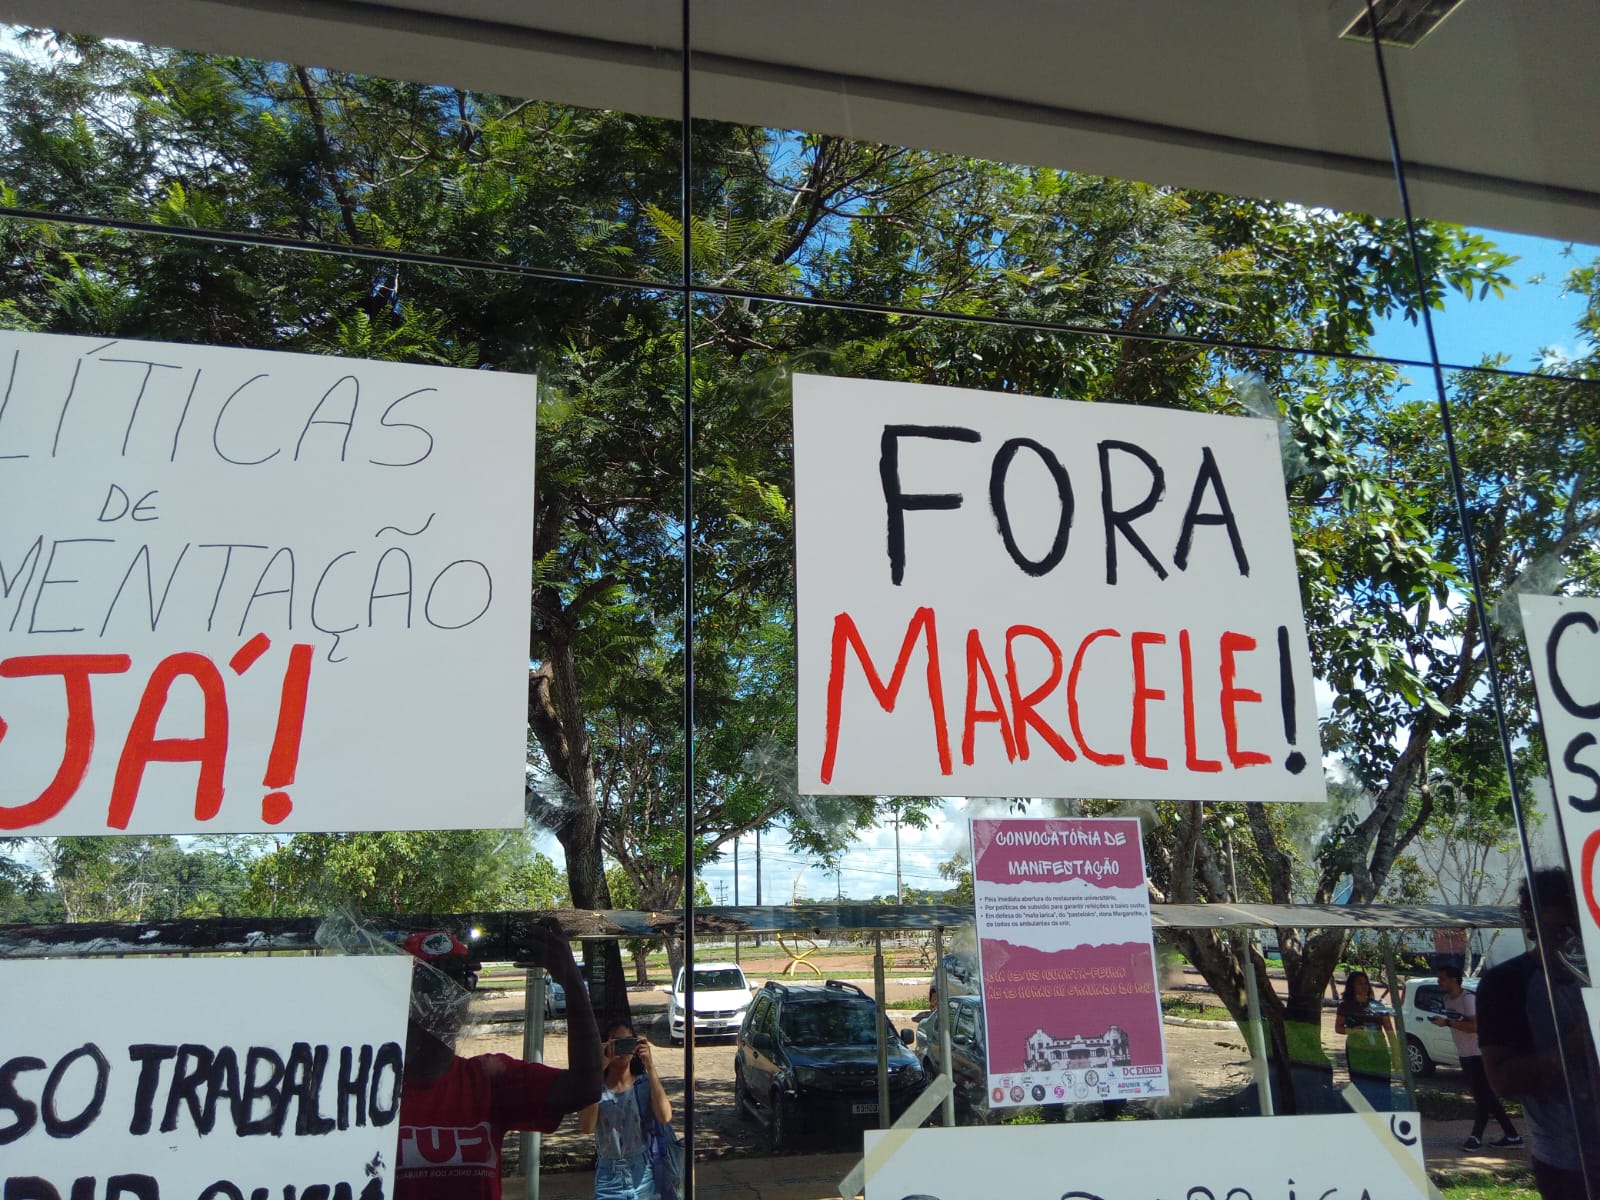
(958, 870)
(425, 872)
(624, 891)
(25, 893)
(535, 883)
(130, 879)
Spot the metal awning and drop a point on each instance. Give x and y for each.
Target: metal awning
(505, 935)
(1495, 109)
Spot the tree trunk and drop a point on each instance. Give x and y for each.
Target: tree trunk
(641, 962)
(674, 958)
(557, 718)
(1216, 957)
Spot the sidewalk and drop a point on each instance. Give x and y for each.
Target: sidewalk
(1441, 1150)
(785, 1177)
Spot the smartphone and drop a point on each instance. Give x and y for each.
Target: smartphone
(624, 1045)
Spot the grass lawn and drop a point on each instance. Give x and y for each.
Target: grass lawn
(1491, 1189)
(1173, 1006)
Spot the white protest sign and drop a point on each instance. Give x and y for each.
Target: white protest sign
(1341, 1157)
(202, 1079)
(1012, 596)
(1564, 647)
(243, 590)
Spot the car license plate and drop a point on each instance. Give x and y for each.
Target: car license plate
(865, 1106)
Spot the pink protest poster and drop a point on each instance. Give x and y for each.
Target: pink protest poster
(1071, 1009)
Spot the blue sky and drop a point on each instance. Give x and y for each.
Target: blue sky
(1535, 314)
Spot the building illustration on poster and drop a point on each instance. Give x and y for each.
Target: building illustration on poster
(1071, 1008)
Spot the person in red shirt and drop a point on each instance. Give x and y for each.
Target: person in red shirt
(455, 1111)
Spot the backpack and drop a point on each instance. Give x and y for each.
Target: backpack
(666, 1151)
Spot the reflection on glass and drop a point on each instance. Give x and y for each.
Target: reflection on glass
(1379, 553)
(826, 217)
(117, 130)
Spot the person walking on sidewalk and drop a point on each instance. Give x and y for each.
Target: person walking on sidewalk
(1461, 1018)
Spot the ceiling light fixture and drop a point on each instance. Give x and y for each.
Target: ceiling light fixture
(1399, 22)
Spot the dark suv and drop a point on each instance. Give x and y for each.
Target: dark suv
(807, 1055)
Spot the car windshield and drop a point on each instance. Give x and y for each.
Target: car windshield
(830, 1024)
(724, 979)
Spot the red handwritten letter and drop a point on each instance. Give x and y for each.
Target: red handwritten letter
(845, 634)
(1237, 643)
(142, 748)
(74, 670)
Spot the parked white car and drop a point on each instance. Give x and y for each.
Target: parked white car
(721, 996)
(1428, 1045)
(555, 998)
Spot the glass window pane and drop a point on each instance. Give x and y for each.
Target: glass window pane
(115, 130)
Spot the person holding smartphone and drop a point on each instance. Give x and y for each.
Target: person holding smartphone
(629, 1087)
(456, 1110)
(1461, 1018)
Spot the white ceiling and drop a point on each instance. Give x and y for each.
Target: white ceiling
(1496, 110)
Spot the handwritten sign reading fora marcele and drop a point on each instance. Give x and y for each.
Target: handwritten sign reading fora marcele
(1006, 595)
(243, 590)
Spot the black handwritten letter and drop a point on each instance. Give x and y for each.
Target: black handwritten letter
(896, 502)
(1558, 684)
(348, 423)
(1591, 802)
(1121, 520)
(1209, 476)
(149, 1056)
(997, 501)
(55, 1124)
(26, 1112)
(216, 429)
(388, 424)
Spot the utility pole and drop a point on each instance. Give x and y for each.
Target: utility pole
(722, 892)
(899, 885)
(758, 877)
(736, 938)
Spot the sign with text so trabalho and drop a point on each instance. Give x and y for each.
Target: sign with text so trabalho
(243, 590)
(203, 1078)
(1013, 596)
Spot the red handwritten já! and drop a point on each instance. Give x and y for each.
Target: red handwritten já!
(141, 746)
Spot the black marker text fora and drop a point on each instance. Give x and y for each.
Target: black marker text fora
(1121, 507)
